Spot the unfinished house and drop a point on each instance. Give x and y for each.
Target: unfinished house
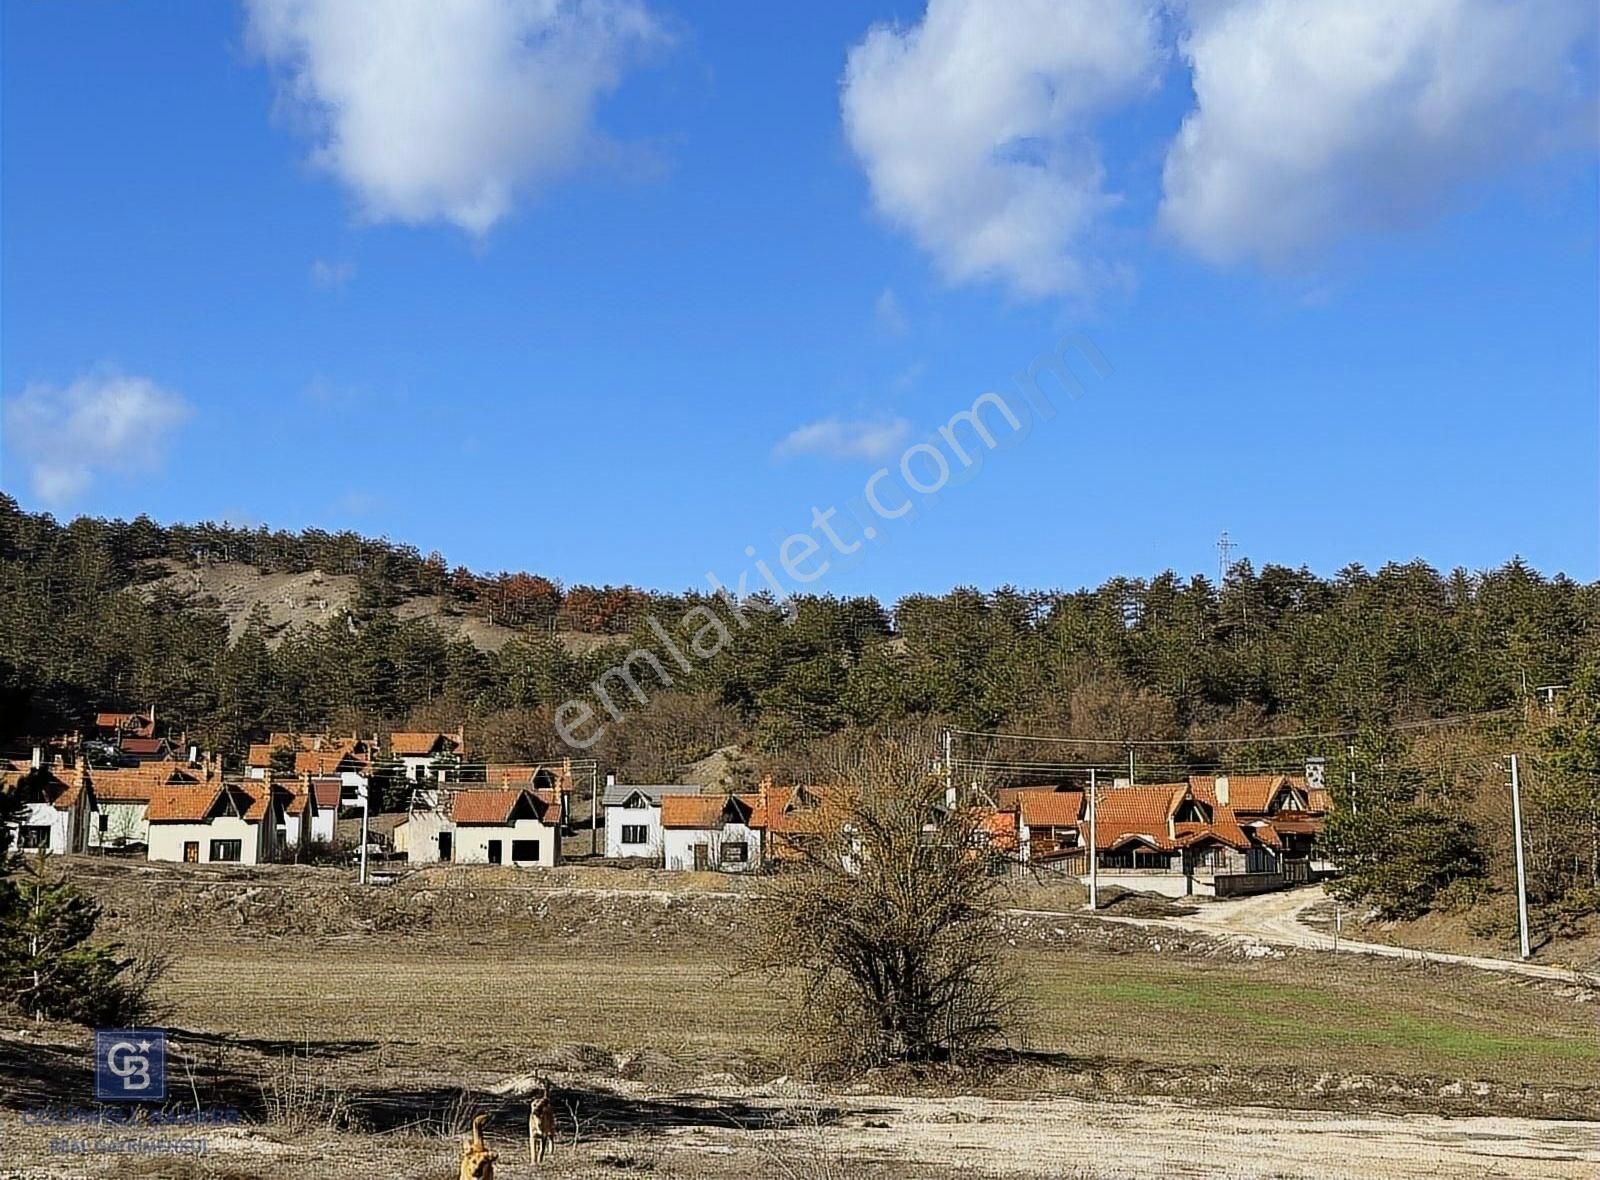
(703, 832)
(223, 823)
(633, 819)
(56, 803)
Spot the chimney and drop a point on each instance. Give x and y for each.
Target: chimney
(38, 757)
(611, 781)
(1221, 785)
(1316, 773)
(194, 755)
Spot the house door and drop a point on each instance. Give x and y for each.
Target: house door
(191, 852)
(494, 852)
(702, 857)
(446, 850)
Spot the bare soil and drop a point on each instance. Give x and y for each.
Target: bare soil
(356, 1032)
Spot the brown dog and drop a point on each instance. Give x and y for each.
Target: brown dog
(477, 1161)
(541, 1124)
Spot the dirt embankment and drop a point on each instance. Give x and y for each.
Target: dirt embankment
(313, 597)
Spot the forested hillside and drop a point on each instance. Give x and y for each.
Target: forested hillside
(1164, 657)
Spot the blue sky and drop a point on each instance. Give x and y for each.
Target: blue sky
(1374, 338)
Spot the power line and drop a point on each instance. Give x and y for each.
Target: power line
(1200, 742)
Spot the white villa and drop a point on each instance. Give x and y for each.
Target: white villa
(633, 819)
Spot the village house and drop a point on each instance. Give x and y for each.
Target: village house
(121, 797)
(56, 803)
(424, 754)
(221, 823)
(633, 818)
(487, 825)
(1048, 821)
(702, 832)
(114, 727)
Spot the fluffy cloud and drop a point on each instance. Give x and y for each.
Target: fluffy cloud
(975, 129)
(448, 109)
(844, 439)
(67, 436)
(1314, 120)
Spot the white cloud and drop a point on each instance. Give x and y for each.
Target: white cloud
(65, 437)
(448, 109)
(840, 438)
(975, 129)
(1314, 120)
(889, 313)
(332, 274)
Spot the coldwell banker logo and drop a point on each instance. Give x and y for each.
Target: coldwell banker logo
(130, 1064)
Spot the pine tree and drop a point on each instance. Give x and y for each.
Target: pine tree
(48, 966)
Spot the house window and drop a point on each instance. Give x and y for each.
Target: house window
(34, 836)
(635, 834)
(524, 852)
(735, 854)
(226, 849)
(104, 822)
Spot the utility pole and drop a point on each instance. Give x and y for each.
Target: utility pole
(949, 769)
(1094, 851)
(365, 809)
(1130, 765)
(1522, 879)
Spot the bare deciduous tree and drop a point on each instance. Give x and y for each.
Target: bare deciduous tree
(889, 917)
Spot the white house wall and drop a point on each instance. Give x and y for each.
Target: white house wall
(679, 845)
(422, 840)
(648, 817)
(472, 842)
(45, 815)
(167, 840)
(125, 823)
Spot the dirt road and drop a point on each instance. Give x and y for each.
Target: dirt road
(900, 1137)
(1274, 918)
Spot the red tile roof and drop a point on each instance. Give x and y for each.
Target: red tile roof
(1248, 793)
(1123, 812)
(136, 784)
(415, 745)
(1049, 808)
(182, 804)
(706, 811)
(480, 805)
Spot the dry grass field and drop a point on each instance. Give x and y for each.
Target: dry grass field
(372, 1025)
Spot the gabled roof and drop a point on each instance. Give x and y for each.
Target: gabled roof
(619, 793)
(183, 804)
(197, 804)
(1250, 794)
(417, 745)
(480, 805)
(53, 785)
(144, 747)
(709, 811)
(1050, 809)
(326, 762)
(1124, 812)
(137, 784)
(328, 792)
